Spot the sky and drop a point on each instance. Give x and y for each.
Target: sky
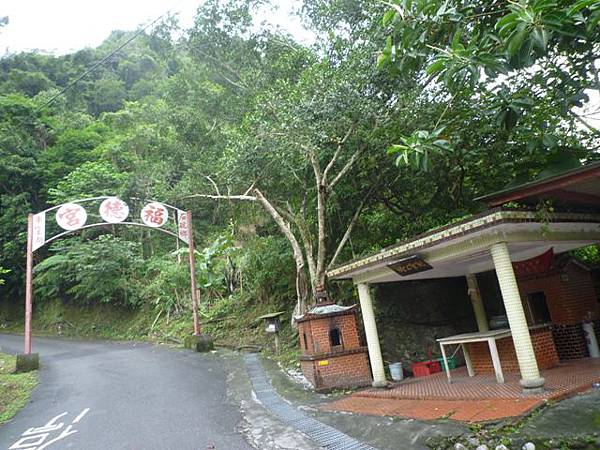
(65, 26)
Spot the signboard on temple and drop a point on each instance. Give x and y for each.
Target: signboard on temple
(409, 266)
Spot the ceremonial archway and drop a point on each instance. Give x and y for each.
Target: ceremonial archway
(101, 212)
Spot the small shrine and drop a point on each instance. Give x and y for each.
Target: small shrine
(332, 355)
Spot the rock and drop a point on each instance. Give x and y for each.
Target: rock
(459, 446)
(501, 447)
(27, 362)
(199, 343)
(528, 446)
(473, 441)
(482, 447)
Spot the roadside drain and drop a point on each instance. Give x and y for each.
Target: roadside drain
(324, 435)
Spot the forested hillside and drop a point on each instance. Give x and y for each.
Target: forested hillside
(291, 158)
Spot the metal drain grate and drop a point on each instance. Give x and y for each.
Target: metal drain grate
(324, 435)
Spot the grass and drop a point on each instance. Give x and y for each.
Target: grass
(231, 322)
(15, 388)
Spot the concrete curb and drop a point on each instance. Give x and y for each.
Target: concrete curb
(323, 435)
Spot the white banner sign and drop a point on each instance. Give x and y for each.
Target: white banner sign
(183, 225)
(39, 230)
(154, 214)
(71, 216)
(114, 210)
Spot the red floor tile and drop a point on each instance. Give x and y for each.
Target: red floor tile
(471, 399)
(563, 380)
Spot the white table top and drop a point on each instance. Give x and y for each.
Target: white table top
(475, 337)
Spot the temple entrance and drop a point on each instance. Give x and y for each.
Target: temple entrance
(61, 220)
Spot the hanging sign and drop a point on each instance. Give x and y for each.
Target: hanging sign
(154, 214)
(408, 266)
(183, 225)
(39, 230)
(114, 210)
(71, 216)
(534, 266)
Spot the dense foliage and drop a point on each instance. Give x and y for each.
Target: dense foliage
(280, 149)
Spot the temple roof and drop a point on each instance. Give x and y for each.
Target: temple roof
(579, 186)
(462, 248)
(330, 309)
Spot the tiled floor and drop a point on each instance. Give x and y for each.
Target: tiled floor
(472, 399)
(463, 410)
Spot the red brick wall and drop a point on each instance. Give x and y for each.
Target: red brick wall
(543, 346)
(569, 301)
(571, 297)
(344, 367)
(570, 341)
(304, 329)
(317, 333)
(578, 296)
(308, 369)
(342, 371)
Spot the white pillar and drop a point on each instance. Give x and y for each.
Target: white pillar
(366, 308)
(530, 374)
(478, 309)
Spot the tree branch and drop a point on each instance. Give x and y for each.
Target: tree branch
(223, 197)
(306, 242)
(301, 285)
(594, 131)
(314, 162)
(352, 223)
(213, 183)
(221, 63)
(338, 151)
(346, 167)
(301, 282)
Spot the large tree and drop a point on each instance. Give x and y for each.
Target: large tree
(306, 137)
(524, 66)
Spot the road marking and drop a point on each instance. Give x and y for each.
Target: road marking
(35, 438)
(80, 416)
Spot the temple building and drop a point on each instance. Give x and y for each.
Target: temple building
(534, 305)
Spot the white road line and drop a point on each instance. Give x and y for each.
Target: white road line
(80, 416)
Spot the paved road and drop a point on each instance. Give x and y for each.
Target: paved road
(123, 396)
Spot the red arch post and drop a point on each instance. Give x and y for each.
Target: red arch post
(28, 284)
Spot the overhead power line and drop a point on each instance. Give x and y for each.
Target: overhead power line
(106, 58)
(99, 63)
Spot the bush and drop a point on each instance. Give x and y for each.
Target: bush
(105, 270)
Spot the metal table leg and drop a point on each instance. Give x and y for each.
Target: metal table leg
(445, 363)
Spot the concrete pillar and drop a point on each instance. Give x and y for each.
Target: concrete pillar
(530, 374)
(477, 302)
(366, 308)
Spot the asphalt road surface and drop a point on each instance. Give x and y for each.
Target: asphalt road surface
(115, 395)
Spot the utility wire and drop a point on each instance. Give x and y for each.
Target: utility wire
(99, 63)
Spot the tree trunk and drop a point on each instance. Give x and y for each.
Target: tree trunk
(322, 235)
(301, 281)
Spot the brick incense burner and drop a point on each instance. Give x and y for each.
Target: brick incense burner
(332, 356)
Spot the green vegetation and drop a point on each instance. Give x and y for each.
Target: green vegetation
(279, 149)
(15, 388)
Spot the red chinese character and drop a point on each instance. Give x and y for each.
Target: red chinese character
(71, 215)
(114, 209)
(154, 214)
